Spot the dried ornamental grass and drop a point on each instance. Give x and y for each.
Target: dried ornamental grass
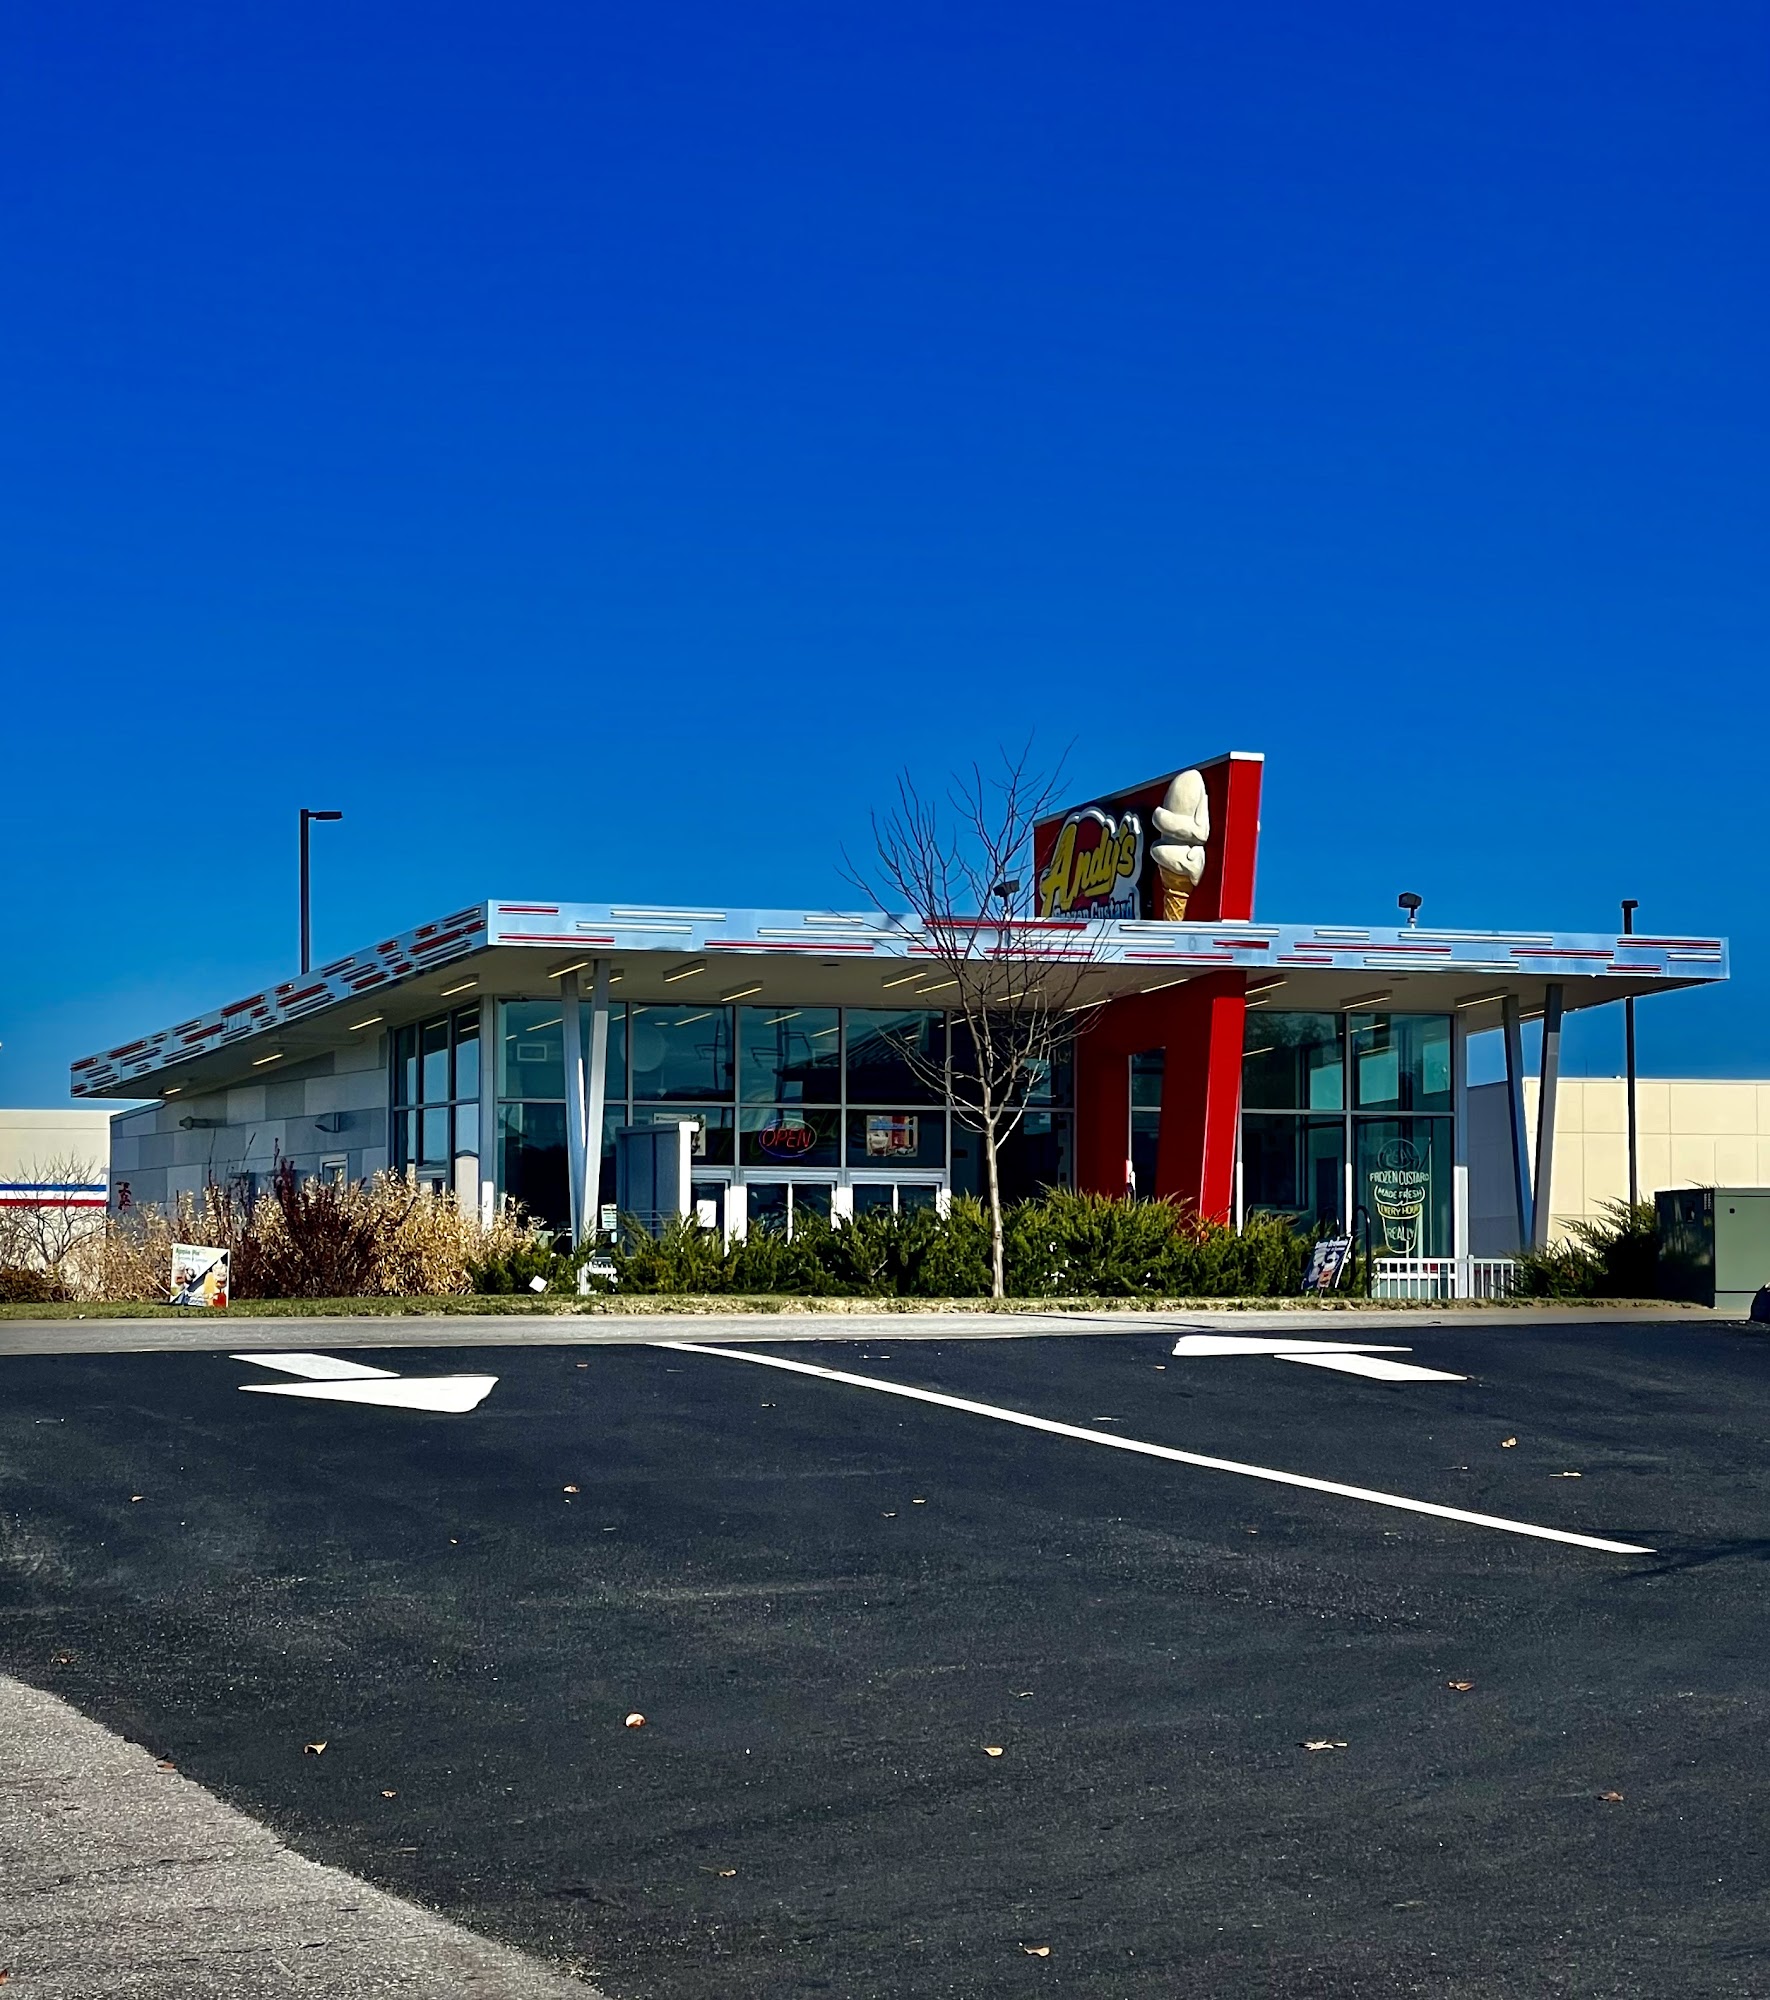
(386, 1237)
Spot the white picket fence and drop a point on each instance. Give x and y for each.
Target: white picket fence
(1444, 1277)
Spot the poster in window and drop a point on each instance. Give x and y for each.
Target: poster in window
(893, 1135)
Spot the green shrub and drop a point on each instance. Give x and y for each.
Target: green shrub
(1062, 1245)
(514, 1269)
(1611, 1256)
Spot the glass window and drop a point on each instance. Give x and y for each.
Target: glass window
(467, 1053)
(466, 1128)
(1035, 1156)
(1048, 1079)
(786, 1136)
(891, 1055)
(815, 1198)
(1294, 1166)
(433, 1062)
(917, 1194)
(532, 1168)
(790, 1055)
(680, 1052)
(614, 1068)
(1401, 1061)
(1147, 1067)
(869, 1200)
(1292, 1062)
(765, 1206)
(712, 1142)
(434, 1137)
(1402, 1175)
(405, 1066)
(897, 1138)
(531, 1049)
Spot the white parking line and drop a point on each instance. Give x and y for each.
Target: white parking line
(1164, 1451)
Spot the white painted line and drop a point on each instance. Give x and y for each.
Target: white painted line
(1373, 1367)
(1195, 1344)
(316, 1367)
(1115, 1443)
(452, 1395)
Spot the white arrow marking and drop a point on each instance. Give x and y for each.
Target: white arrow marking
(1346, 1357)
(332, 1381)
(1374, 1368)
(317, 1367)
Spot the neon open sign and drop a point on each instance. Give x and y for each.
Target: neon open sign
(786, 1142)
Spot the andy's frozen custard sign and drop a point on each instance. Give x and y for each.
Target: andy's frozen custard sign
(1095, 861)
(1095, 867)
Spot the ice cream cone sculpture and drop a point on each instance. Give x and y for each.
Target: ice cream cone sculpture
(1183, 820)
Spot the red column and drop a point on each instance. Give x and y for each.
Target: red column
(1198, 1026)
(1201, 1096)
(1103, 1109)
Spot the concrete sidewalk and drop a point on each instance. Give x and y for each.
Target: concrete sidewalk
(118, 1877)
(238, 1334)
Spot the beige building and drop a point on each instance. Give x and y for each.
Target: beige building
(1690, 1133)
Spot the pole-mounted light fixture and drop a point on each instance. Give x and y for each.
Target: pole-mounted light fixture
(308, 816)
(1411, 904)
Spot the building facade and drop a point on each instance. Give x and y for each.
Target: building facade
(1233, 1065)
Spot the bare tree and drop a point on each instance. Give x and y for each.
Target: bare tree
(954, 875)
(47, 1234)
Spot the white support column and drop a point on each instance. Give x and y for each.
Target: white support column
(1513, 1033)
(1548, 1084)
(490, 1052)
(1459, 1171)
(575, 1162)
(589, 1216)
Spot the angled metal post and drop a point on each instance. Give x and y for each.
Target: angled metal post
(575, 1152)
(1630, 905)
(1513, 1032)
(596, 1096)
(1548, 1084)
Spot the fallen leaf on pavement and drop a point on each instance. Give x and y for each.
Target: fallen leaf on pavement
(1462, 1687)
(992, 1749)
(725, 1874)
(137, 1496)
(1611, 1798)
(918, 1503)
(1323, 1743)
(166, 1764)
(314, 1749)
(1506, 1444)
(390, 1795)
(1567, 1475)
(1036, 1950)
(636, 1720)
(568, 1489)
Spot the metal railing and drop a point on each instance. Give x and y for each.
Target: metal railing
(1444, 1277)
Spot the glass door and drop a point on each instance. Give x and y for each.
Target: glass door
(780, 1205)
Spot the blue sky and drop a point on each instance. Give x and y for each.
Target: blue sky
(597, 447)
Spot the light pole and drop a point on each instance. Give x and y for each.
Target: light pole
(308, 816)
(1630, 905)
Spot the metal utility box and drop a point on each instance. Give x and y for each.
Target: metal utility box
(1714, 1246)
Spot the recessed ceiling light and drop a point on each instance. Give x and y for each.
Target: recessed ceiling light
(258, 1062)
(742, 992)
(353, 1026)
(683, 972)
(449, 992)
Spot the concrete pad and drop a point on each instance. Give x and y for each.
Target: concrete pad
(118, 1877)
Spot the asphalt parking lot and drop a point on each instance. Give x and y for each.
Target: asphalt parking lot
(1541, 1768)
